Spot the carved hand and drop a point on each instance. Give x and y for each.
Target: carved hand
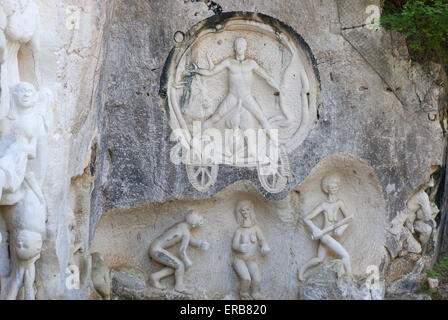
(204, 245)
(316, 234)
(265, 249)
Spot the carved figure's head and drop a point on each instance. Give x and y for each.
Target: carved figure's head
(24, 94)
(240, 46)
(28, 244)
(331, 183)
(194, 219)
(245, 213)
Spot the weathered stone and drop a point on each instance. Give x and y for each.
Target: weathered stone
(329, 282)
(407, 284)
(408, 296)
(107, 182)
(433, 283)
(128, 283)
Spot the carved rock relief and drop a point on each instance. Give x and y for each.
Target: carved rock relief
(236, 76)
(124, 236)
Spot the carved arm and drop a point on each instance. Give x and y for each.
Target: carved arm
(236, 241)
(308, 220)
(263, 244)
(260, 71)
(183, 250)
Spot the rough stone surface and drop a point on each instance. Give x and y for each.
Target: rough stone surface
(357, 115)
(128, 284)
(328, 282)
(111, 187)
(407, 284)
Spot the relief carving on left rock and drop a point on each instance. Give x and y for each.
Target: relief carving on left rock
(24, 126)
(22, 171)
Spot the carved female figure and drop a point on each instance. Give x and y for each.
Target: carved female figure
(248, 237)
(333, 226)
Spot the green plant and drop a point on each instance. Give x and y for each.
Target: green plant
(424, 24)
(433, 274)
(441, 264)
(440, 268)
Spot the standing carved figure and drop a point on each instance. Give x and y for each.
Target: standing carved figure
(179, 233)
(19, 26)
(22, 203)
(246, 241)
(333, 226)
(239, 107)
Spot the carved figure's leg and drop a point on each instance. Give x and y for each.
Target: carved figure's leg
(252, 106)
(226, 106)
(340, 230)
(28, 283)
(176, 266)
(256, 279)
(244, 275)
(321, 253)
(337, 248)
(15, 283)
(155, 278)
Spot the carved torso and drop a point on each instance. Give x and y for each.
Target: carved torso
(331, 211)
(240, 77)
(247, 236)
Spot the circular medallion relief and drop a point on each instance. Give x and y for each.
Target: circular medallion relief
(241, 73)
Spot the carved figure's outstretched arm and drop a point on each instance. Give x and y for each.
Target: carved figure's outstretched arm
(263, 243)
(343, 208)
(199, 243)
(262, 73)
(212, 71)
(183, 250)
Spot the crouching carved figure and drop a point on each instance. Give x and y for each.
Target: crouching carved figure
(179, 233)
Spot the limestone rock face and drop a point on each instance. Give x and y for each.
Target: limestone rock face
(128, 284)
(354, 183)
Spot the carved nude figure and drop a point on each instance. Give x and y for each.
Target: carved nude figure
(19, 24)
(239, 105)
(179, 233)
(22, 203)
(333, 226)
(246, 241)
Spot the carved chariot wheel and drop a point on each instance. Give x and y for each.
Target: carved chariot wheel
(277, 178)
(202, 177)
